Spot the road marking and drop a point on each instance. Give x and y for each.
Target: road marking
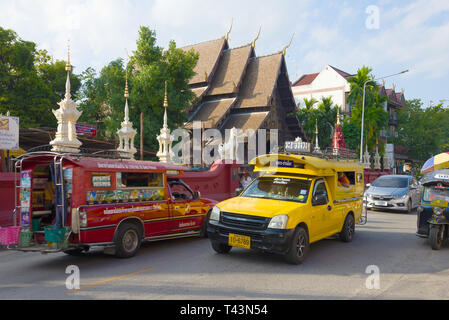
(98, 283)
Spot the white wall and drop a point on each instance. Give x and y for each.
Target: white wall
(327, 84)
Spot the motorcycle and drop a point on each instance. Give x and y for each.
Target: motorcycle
(433, 212)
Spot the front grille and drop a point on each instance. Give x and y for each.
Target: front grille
(383, 198)
(244, 221)
(254, 236)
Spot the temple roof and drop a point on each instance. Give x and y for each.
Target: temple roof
(260, 80)
(211, 112)
(209, 54)
(244, 121)
(229, 73)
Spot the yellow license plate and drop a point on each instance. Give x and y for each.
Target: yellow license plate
(236, 240)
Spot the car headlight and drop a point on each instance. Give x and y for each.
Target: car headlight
(278, 222)
(215, 214)
(438, 211)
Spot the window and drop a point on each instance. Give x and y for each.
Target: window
(278, 188)
(320, 190)
(139, 179)
(346, 179)
(180, 192)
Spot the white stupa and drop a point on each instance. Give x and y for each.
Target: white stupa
(165, 139)
(67, 115)
(127, 133)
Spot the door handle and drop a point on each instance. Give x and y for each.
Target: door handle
(329, 208)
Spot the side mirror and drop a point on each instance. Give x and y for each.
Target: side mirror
(197, 195)
(319, 199)
(238, 191)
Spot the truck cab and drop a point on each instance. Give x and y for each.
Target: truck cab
(296, 200)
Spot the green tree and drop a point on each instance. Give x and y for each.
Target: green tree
(423, 131)
(325, 114)
(30, 84)
(149, 67)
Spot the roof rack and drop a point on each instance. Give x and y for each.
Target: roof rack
(328, 154)
(84, 152)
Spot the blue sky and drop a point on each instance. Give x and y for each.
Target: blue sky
(410, 35)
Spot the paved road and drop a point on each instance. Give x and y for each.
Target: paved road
(189, 269)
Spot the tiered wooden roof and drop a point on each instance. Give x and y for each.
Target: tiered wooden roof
(242, 90)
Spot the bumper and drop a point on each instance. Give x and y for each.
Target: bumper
(269, 240)
(399, 204)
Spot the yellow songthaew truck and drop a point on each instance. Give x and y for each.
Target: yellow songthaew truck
(296, 200)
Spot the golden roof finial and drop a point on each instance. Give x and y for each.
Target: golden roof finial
(254, 41)
(165, 98)
(126, 86)
(284, 51)
(227, 34)
(68, 67)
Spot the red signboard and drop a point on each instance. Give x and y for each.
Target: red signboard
(86, 129)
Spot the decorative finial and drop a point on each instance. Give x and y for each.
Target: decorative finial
(206, 77)
(227, 34)
(338, 115)
(165, 98)
(126, 86)
(284, 51)
(254, 41)
(68, 67)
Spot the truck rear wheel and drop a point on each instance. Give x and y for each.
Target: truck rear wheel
(347, 232)
(128, 240)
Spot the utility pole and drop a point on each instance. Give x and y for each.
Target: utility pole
(141, 136)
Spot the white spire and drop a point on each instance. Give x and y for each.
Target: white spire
(127, 133)
(165, 139)
(67, 115)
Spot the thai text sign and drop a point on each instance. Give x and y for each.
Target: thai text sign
(9, 133)
(297, 146)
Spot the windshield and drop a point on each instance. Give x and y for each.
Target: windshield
(435, 193)
(277, 188)
(391, 182)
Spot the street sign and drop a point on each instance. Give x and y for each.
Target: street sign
(86, 129)
(9, 133)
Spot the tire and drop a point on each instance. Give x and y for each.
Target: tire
(299, 247)
(436, 237)
(348, 230)
(127, 241)
(409, 206)
(220, 247)
(203, 232)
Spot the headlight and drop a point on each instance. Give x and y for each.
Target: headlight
(278, 222)
(215, 214)
(438, 211)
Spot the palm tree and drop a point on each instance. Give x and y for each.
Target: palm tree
(375, 118)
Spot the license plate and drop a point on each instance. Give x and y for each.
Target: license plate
(236, 240)
(381, 203)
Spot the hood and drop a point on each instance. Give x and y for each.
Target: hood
(381, 191)
(259, 207)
